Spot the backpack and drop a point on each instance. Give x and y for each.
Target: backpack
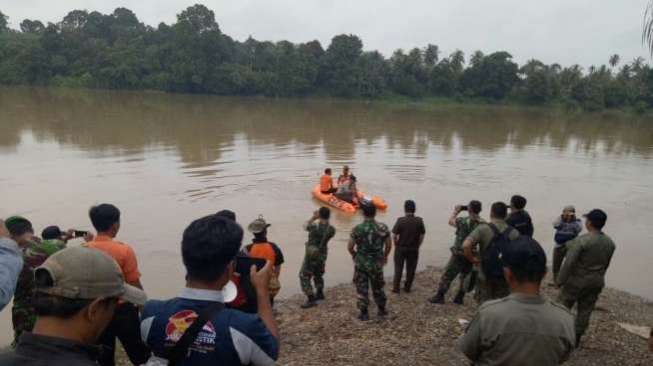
(491, 260)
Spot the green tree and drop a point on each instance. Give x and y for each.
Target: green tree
(340, 69)
(3, 22)
(31, 26)
(431, 55)
(200, 18)
(614, 60)
(493, 77)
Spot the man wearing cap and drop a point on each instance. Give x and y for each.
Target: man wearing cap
(264, 249)
(124, 326)
(11, 263)
(227, 337)
(74, 305)
(567, 228)
(582, 276)
(523, 328)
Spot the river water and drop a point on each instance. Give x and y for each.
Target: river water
(165, 160)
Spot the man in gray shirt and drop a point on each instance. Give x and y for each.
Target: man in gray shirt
(11, 263)
(523, 328)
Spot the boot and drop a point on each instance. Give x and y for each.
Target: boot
(310, 302)
(382, 312)
(459, 299)
(578, 340)
(407, 289)
(319, 295)
(364, 316)
(438, 298)
(395, 290)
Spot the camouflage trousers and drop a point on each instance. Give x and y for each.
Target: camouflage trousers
(491, 289)
(23, 318)
(363, 279)
(458, 265)
(585, 299)
(312, 270)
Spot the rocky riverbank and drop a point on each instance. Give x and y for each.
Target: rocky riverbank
(419, 333)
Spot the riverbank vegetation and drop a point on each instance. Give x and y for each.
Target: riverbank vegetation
(117, 51)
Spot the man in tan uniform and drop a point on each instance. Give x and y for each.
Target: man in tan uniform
(489, 286)
(523, 328)
(582, 276)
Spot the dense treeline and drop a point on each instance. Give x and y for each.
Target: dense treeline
(117, 51)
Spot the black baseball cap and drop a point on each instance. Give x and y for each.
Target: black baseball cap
(597, 217)
(526, 254)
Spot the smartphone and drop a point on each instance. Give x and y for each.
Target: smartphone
(79, 233)
(463, 208)
(244, 264)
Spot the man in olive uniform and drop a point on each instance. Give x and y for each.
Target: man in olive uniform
(369, 245)
(524, 328)
(23, 314)
(484, 235)
(319, 234)
(582, 276)
(458, 264)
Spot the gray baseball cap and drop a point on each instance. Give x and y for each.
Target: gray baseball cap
(86, 273)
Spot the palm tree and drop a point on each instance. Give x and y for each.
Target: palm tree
(647, 32)
(614, 60)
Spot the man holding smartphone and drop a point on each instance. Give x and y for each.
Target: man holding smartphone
(458, 264)
(228, 337)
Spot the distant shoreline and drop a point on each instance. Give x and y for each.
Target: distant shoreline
(394, 101)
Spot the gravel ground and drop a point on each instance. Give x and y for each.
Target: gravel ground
(419, 333)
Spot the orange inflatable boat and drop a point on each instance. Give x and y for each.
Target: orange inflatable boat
(336, 202)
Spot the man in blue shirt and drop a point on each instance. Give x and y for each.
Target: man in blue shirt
(229, 337)
(11, 263)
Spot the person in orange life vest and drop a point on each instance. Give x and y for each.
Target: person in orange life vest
(326, 182)
(264, 249)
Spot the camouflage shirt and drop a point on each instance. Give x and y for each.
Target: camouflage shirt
(370, 238)
(464, 227)
(33, 256)
(319, 235)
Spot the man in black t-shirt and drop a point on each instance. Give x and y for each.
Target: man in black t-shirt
(519, 217)
(408, 234)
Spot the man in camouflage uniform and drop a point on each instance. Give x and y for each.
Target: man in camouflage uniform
(370, 244)
(582, 276)
(315, 258)
(23, 315)
(458, 264)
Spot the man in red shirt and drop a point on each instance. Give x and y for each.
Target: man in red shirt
(125, 323)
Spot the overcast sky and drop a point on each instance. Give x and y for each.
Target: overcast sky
(564, 31)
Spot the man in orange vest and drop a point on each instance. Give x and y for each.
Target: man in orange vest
(326, 182)
(264, 249)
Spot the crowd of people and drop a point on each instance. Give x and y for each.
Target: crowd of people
(71, 303)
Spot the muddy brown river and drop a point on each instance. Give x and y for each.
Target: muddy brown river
(165, 160)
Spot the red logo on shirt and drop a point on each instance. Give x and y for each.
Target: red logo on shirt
(179, 323)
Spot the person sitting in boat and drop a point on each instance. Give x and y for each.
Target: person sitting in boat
(347, 191)
(344, 177)
(326, 182)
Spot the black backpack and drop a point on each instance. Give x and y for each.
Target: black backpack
(491, 260)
